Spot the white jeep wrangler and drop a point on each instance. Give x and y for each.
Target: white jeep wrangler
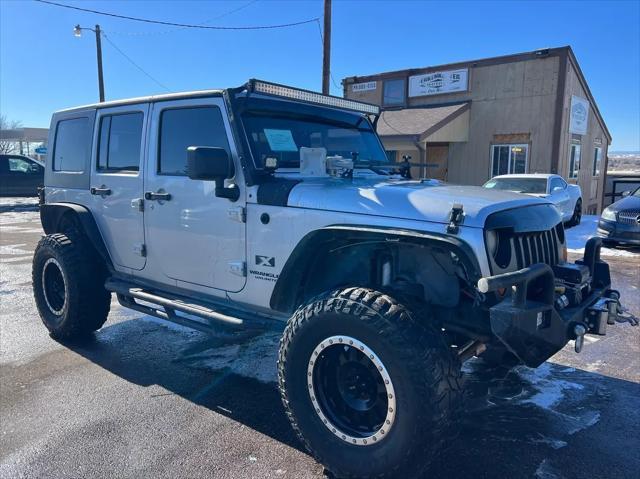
(273, 203)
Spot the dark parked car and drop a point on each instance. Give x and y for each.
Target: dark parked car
(20, 175)
(620, 222)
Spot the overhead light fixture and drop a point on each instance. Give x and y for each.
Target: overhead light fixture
(77, 31)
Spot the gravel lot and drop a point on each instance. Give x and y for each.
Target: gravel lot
(145, 399)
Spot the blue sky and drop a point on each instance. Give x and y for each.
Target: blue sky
(43, 67)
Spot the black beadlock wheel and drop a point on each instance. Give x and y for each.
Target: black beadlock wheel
(68, 285)
(369, 385)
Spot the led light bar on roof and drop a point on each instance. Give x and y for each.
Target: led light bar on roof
(260, 86)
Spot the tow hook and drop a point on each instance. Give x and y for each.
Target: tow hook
(618, 313)
(579, 330)
(607, 310)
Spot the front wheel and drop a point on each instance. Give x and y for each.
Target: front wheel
(369, 385)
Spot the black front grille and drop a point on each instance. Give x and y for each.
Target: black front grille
(531, 248)
(518, 250)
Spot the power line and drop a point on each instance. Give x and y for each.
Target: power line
(183, 25)
(209, 20)
(390, 126)
(134, 63)
(321, 43)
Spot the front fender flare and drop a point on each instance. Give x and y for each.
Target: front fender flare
(285, 295)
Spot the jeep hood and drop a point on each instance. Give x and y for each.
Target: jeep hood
(413, 200)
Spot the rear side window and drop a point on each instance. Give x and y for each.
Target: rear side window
(71, 150)
(120, 142)
(181, 128)
(557, 182)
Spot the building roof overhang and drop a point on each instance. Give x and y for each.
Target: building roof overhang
(419, 124)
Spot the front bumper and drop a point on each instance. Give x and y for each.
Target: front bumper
(619, 232)
(535, 322)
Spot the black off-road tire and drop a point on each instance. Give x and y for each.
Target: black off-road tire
(577, 214)
(68, 284)
(425, 374)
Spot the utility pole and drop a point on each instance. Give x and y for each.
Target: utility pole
(77, 31)
(99, 55)
(326, 48)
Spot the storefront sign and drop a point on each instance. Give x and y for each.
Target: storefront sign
(439, 82)
(370, 85)
(579, 115)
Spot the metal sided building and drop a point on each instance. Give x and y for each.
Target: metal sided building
(468, 121)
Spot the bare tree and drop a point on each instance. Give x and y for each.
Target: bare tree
(7, 146)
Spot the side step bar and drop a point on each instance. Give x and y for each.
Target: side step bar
(169, 305)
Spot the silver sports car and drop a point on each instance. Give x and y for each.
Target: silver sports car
(566, 197)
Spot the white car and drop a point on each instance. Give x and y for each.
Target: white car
(565, 196)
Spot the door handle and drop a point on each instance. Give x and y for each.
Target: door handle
(102, 191)
(150, 195)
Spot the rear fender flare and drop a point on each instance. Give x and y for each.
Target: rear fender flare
(52, 214)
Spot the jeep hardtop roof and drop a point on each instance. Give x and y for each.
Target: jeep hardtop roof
(252, 86)
(146, 99)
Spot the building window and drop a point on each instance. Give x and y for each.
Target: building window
(597, 158)
(120, 142)
(574, 160)
(508, 159)
(393, 92)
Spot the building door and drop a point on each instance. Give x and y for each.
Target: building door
(437, 161)
(192, 235)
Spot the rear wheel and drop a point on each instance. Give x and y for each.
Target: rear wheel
(68, 285)
(369, 386)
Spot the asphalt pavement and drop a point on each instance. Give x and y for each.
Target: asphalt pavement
(148, 399)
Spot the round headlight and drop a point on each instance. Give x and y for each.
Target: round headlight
(492, 243)
(608, 214)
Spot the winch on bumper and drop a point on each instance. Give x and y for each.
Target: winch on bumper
(551, 305)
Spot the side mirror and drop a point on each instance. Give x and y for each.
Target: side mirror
(556, 189)
(208, 163)
(626, 193)
(212, 164)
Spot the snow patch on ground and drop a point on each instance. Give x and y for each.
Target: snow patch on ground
(547, 471)
(577, 237)
(13, 201)
(550, 389)
(252, 354)
(255, 358)
(14, 249)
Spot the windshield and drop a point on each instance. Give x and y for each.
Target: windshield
(280, 136)
(519, 185)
